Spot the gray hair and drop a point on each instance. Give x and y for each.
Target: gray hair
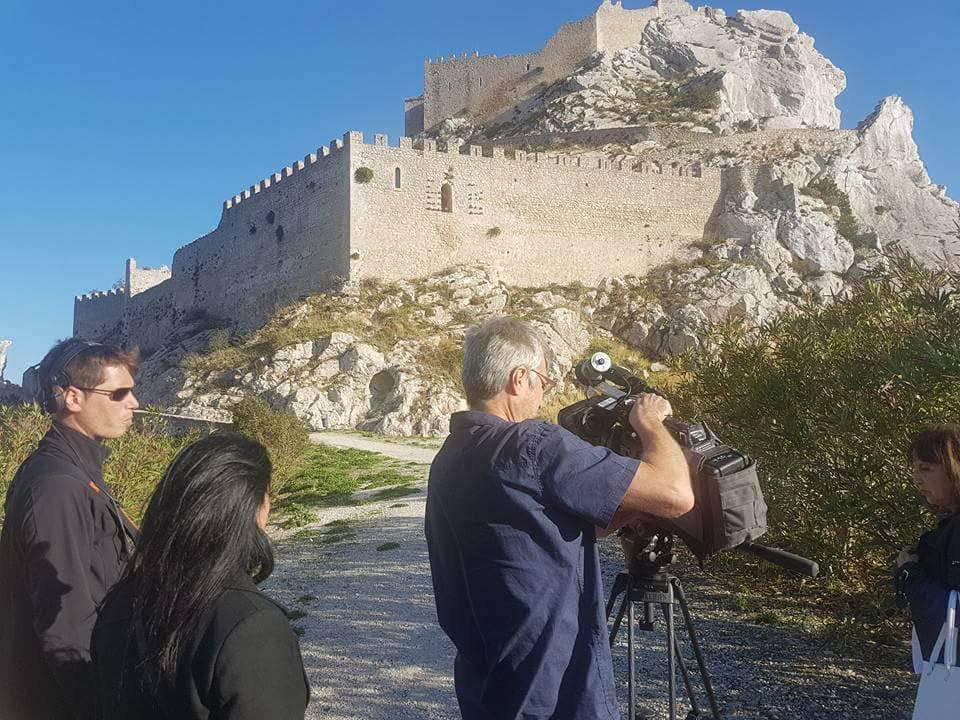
(493, 349)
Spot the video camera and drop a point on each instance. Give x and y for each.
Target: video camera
(729, 510)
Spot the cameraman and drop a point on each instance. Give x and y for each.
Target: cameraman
(514, 506)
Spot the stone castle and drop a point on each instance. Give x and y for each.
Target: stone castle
(481, 86)
(354, 210)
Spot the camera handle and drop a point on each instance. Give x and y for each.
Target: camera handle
(784, 559)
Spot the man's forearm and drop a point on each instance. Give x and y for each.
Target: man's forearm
(662, 452)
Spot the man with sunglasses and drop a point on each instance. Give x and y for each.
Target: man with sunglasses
(514, 508)
(65, 539)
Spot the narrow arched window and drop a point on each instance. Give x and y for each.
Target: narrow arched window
(479, 82)
(396, 178)
(446, 198)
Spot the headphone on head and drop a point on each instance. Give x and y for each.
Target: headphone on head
(53, 375)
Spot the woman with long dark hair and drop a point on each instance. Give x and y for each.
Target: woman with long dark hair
(186, 633)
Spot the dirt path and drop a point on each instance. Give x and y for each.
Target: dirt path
(401, 451)
(360, 576)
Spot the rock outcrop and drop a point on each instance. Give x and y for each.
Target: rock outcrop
(696, 68)
(10, 394)
(4, 346)
(889, 188)
(368, 379)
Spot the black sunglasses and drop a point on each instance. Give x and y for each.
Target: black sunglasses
(118, 395)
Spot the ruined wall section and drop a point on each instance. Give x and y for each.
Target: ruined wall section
(476, 86)
(97, 315)
(282, 239)
(480, 87)
(537, 219)
(618, 28)
(139, 279)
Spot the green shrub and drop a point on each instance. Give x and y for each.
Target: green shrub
(494, 232)
(283, 433)
(137, 463)
(828, 399)
(826, 189)
(21, 427)
(363, 175)
(220, 339)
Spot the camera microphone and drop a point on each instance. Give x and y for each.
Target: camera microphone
(591, 370)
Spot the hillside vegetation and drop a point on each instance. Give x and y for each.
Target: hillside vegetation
(828, 398)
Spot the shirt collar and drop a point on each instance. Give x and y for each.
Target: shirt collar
(90, 451)
(465, 419)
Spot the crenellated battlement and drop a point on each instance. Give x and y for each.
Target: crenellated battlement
(488, 152)
(101, 295)
(310, 159)
(462, 151)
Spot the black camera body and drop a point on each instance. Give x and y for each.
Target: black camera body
(729, 509)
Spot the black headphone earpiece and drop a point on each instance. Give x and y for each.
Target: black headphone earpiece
(54, 378)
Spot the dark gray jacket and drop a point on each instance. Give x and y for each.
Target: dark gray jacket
(243, 664)
(63, 546)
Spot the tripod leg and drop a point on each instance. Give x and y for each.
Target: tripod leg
(621, 584)
(631, 660)
(619, 619)
(701, 663)
(694, 707)
(671, 659)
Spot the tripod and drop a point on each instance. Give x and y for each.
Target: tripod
(646, 582)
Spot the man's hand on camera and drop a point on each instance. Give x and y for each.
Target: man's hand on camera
(649, 410)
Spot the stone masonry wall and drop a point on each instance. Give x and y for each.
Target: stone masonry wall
(284, 238)
(537, 219)
(97, 315)
(473, 86)
(140, 279)
(150, 318)
(480, 86)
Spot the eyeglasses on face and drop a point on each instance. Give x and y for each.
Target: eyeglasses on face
(546, 382)
(118, 395)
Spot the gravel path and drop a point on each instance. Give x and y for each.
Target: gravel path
(373, 649)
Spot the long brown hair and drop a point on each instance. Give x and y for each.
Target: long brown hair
(940, 445)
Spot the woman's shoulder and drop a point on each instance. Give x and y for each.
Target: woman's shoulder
(242, 602)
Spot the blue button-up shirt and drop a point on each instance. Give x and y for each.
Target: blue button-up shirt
(512, 512)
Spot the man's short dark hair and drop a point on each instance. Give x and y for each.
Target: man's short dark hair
(87, 368)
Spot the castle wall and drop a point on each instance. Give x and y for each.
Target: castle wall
(284, 238)
(140, 279)
(483, 86)
(96, 316)
(477, 85)
(150, 317)
(537, 219)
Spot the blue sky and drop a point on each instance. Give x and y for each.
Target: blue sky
(124, 126)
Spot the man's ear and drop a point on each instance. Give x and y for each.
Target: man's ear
(72, 399)
(518, 380)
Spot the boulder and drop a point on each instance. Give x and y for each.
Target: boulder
(814, 243)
